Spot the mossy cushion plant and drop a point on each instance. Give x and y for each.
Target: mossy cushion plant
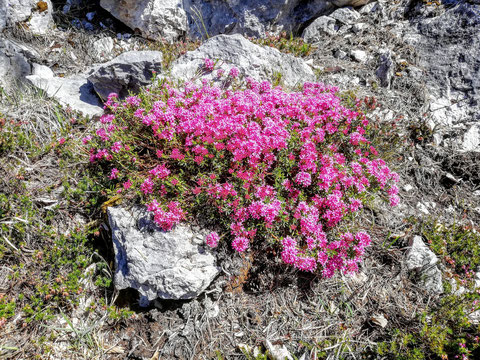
(287, 168)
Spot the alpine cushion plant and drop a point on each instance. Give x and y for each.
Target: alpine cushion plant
(281, 167)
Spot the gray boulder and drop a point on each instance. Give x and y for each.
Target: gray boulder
(422, 260)
(251, 17)
(252, 60)
(448, 48)
(385, 70)
(346, 16)
(37, 15)
(172, 19)
(166, 264)
(321, 27)
(127, 72)
(155, 19)
(15, 62)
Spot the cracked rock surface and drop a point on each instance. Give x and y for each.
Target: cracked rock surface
(166, 264)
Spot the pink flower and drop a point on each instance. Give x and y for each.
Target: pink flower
(240, 243)
(106, 119)
(133, 100)
(394, 200)
(113, 174)
(212, 239)
(233, 72)
(127, 184)
(209, 64)
(147, 186)
(160, 171)
(303, 178)
(177, 155)
(116, 147)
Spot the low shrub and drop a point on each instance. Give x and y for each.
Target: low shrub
(286, 44)
(291, 169)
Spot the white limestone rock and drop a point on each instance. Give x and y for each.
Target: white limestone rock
(251, 60)
(278, 352)
(172, 19)
(321, 27)
(155, 19)
(37, 15)
(73, 91)
(359, 56)
(471, 139)
(166, 264)
(346, 16)
(103, 48)
(421, 259)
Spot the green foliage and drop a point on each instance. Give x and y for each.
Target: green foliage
(287, 44)
(172, 51)
(458, 245)
(445, 329)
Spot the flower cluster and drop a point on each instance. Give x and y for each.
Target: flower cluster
(284, 167)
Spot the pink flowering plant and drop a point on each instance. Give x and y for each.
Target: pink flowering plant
(288, 168)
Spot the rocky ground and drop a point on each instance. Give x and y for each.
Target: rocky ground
(412, 298)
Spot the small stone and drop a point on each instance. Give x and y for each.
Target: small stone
(333, 308)
(408, 188)
(437, 139)
(42, 71)
(278, 352)
(340, 54)
(358, 27)
(211, 308)
(125, 73)
(474, 317)
(423, 208)
(380, 320)
(471, 139)
(359, 278)
(421, 259)
(385, 69)
(309, 62)
(90, 15)
(359, 55)
(457, 290)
